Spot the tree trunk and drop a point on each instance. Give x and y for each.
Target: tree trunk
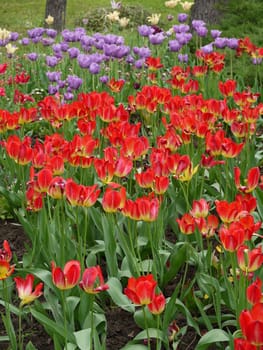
(208, 10)
(57, 9)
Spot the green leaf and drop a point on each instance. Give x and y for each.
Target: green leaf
(43, 275)
(177, 259)
(4, 338)
(153, 333)
(51, 325)
(83, 338)
(190, 321)
(15, 310)
(96, 218)
(110, 244)
(71, 346)
(212, 337)
(140, 320)
(10, 331)
(134, 347)
(30, 346)
(116, 293)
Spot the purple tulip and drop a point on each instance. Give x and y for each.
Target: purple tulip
(183, 58)
(32, 56)
(142, 52)
(181, 28)
(74, 82)
(94, 68)
(220, 43)
(52, 33)
(201, 31)
(104, 79)
(51, 61)
(130, 59)
(232, 43)
(35, 32)
(156, 39)
(207, 48)
(139, 63)
(145, 30)
(53, 76)
(68, 96)
(256, 60)
(64, 46)
(183, 38)
(174, 45)
(196, 23)
(14, 36)
(62, 83)
(53, 89)
(36, 39)
(215, 33)
(73, 52)
(47, 41)
(25, 41)
(182, 17)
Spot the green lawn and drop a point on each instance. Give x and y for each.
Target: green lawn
(21, 15)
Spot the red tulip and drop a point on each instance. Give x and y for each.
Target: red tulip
(228, 212)
(114, 198)
(6, 269)
(105, 169)
(207, 226)
(44, 178)
(3, 67)
(251, 181)
(134, 147)
(6, 253)
(144, 208)
(243, 344)
(141, 290)
(186, 224)
(92, 280)
(153, 63)
(56, 187)
(227, 88)
(123, 167)
(19, 150)
(145, 178)
(116, 85)
(25, 289)
(80, 195)
(68, 277)
(249, 260)
(200, 208)
(247, 201)
(157, 305)
(251, 323)
(160, 184)
(254, 292)
(232, 237)
(249, 225)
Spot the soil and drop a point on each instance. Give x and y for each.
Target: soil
(121, 327)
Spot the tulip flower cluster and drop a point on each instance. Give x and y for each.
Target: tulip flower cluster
(141, 291)
(92, 280)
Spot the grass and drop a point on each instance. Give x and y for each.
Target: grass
(22, 15)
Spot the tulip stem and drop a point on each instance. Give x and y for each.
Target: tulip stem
(20, 337)
(92, 322)
(146, 327)
(64, 311)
